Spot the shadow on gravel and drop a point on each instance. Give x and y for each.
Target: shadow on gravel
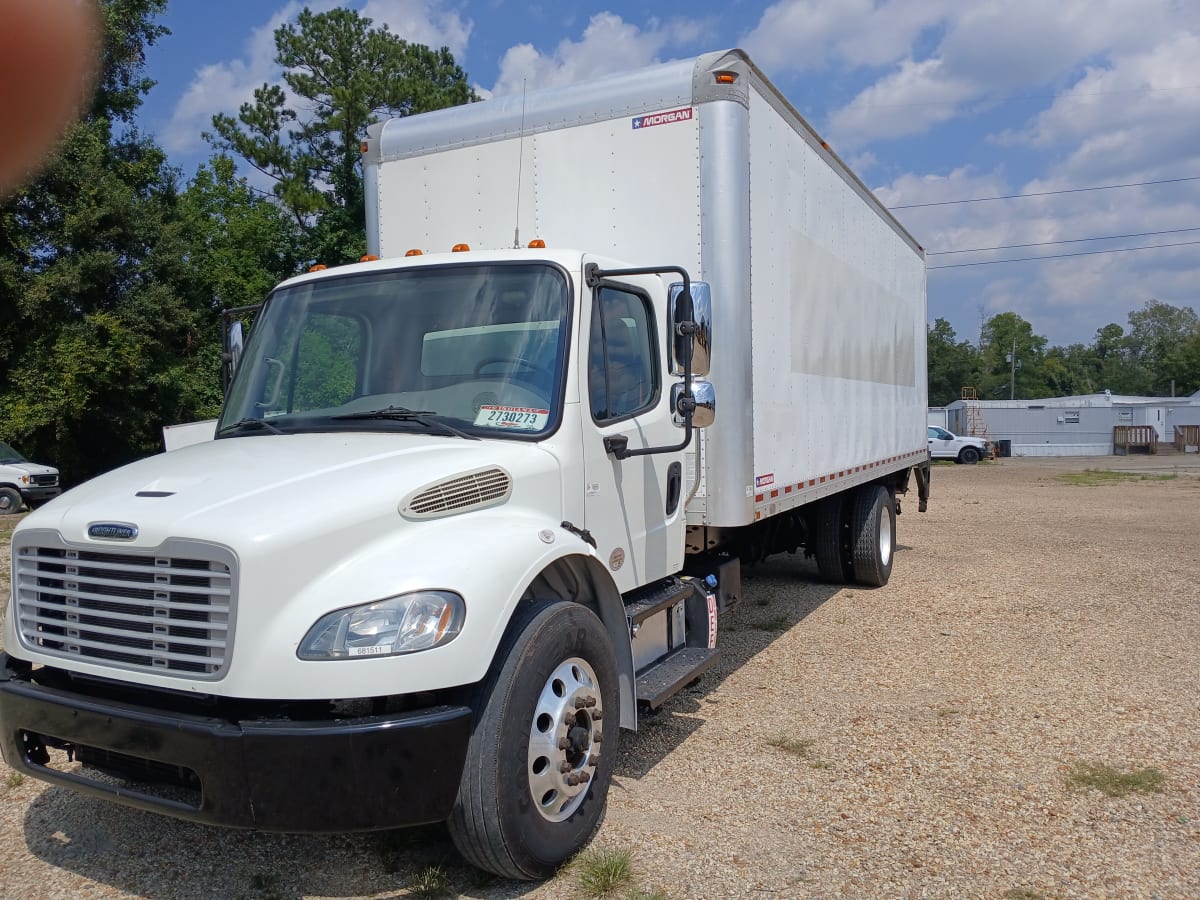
(156, 857)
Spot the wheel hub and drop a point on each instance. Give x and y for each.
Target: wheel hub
(564, 739)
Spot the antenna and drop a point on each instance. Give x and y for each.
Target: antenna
(520, 165)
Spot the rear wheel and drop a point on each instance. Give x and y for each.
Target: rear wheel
(827, 545)
(539, 764)
(969, 455)
(10, 501)
(873, 535)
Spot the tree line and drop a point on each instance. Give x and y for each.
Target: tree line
(1158, 355)
(114, 269)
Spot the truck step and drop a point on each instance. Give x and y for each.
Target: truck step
(664, 680)
(656, 598)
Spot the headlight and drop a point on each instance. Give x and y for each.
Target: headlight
(403, 624)
(24, 479)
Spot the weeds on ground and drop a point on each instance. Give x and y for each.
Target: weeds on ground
(603, 873)
(430, 882)
(801, 747)
(1114, 783)
(265, 886)
(775, 623)
(14, 779)
(1023, 894)
(1093, 477)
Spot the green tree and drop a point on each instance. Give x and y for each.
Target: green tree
(96, 334)
(345, 75)
(953, 364)
(1004, 376)
(1158, 333)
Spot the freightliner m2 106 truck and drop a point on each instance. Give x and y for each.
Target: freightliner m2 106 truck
(467, 513)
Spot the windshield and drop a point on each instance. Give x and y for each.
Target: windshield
(466, 348)
(9, 455)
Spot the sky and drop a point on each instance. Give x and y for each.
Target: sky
(928, 101)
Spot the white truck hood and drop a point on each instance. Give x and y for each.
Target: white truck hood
(259, 490)
(29, 468)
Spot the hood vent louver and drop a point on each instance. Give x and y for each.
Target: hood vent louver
(474, 490)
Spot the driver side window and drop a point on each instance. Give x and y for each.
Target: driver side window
(622, 357)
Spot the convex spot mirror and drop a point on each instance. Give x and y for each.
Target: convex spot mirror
(698, 345)
(704, 395)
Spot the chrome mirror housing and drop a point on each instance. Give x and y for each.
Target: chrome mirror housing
(698, 345)
(704, 398)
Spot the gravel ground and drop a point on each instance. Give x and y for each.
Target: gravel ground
(1031, 624)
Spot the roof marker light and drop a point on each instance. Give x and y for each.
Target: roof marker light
(537, 244)
(414, 252)
(368, 257)
(725, 77)
(319, 267)
(365, 146)
(460, 248)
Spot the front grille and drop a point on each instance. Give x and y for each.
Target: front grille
(44, 480)
(171, 615)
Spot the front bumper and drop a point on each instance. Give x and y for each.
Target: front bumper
(328, 775)
(38, 494)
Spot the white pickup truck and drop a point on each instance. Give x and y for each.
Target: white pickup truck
(24, 482)
(945, 444)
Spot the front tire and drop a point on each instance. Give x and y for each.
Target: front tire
(535, 785)
(968, 456)
(10, 501)
(873, 535)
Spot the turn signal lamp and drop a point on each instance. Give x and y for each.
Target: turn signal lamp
(537, 244)
(725, 77)
(460, 248)
(368, 257)
(364, 146)
(319, 267)
(413, 252)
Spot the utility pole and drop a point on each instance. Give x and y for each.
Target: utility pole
(1012, 377)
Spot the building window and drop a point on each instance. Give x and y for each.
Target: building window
(1071, 417)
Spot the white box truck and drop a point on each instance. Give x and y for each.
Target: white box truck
(465, 512)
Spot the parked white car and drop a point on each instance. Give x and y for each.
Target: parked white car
(23, 482)
(944, 444)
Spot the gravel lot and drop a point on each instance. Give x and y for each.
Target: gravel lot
(1031, 624)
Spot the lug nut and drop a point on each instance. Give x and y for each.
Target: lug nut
(593, 760)
(564, 743)
(580, 703)
(584, 777)
(564, 767)
(597, 715)
(591, 701)
(569, 718)
(573, 779)
(597, 738)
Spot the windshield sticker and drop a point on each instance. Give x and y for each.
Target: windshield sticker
(662, 118)
(519, 418)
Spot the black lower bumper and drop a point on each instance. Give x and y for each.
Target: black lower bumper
(272, 775)
(39, 494)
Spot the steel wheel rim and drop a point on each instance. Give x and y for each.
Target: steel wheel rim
(564, 739)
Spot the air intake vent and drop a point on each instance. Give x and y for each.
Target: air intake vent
(475, 490)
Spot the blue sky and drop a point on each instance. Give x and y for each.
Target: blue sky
(928, 100)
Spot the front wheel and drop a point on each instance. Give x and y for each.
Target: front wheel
(540, 760)
(10, 501)
(969, 455)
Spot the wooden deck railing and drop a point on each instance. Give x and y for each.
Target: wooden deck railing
(1187, 436)
(1134, 437)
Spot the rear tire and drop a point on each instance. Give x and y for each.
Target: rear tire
(873, 535)
(517, 814)
(827, 545)
(10, 501)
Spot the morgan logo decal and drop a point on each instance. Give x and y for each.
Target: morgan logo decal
(662, 118)
(764, 480)
(112, 531)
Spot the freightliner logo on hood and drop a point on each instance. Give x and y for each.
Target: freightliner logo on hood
(112, 531)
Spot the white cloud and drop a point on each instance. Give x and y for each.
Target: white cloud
(608, 44)
(422, 22)
(906, 102)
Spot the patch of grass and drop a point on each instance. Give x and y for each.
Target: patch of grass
(14, 779)
(775, 623)
(796, 746)
(602, 873)
(946, 712)
(1113, 782)
(1093, 477)
(265, 886)
(1023, 894)
(639, 894)
(430, 882)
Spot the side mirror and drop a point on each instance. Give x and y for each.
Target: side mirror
(696, 346)
(702, 402)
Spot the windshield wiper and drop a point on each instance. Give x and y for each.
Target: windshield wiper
(401, 414)
(248, 425)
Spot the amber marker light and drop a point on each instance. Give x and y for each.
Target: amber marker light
(368, 257)
(537, 244)
(725, 77)
(414, 252)
(460, 248)
(319, 267)
(364, 146)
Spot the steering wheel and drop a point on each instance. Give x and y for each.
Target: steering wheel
(518, 363)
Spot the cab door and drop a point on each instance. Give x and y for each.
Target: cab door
(633, 506)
